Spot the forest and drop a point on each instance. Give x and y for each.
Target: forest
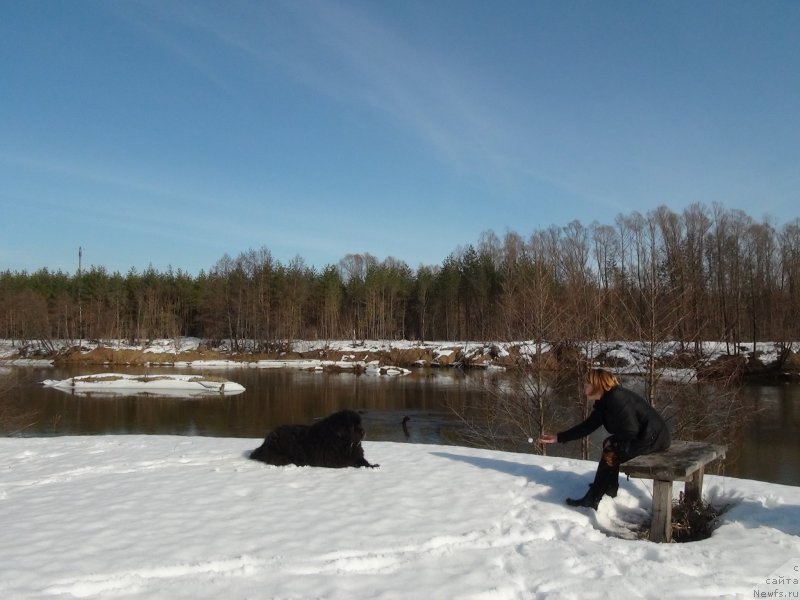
(705, 273)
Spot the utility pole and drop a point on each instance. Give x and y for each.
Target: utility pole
(80, 306)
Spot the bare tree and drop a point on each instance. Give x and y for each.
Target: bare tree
(789, 324)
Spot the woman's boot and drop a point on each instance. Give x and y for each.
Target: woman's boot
(590, 500)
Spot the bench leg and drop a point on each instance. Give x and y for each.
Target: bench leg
(693, 490)
(661, 527)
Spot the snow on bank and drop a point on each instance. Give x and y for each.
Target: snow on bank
(362, 367)
(190, 517)
(627, 358)
(161, 384)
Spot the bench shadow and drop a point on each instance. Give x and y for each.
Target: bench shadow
(559, 484)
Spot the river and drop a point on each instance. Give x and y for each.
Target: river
(767, 449)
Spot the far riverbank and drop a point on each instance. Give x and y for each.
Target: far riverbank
(764, 362)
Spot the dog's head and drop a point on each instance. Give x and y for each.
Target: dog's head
(346, 426)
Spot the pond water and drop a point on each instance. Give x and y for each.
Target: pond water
(767, 450)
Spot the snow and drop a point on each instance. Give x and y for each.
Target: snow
(192, 517)
(161, 384)
(634, 356)
(364, 367)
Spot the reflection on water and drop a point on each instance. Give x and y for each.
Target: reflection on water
(768, 449)
(272, 397)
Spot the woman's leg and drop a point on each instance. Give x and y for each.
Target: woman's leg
(606, 479)
(607, 476)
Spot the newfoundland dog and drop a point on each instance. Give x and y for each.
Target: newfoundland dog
(333, 442)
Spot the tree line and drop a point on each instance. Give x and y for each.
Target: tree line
(705, 273)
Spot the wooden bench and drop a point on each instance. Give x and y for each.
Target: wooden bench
(683, 461)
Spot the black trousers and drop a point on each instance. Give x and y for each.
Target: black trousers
(615, 452)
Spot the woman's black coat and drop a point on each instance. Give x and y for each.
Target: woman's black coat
(635, 426)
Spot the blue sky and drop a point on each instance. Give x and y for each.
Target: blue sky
(171, 133)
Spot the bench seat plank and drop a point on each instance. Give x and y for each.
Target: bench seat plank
(678, 463)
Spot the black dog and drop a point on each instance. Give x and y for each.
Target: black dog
(333, 442)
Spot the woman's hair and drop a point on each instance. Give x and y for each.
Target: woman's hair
(601, 380)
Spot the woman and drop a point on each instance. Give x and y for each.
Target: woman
(635, 427)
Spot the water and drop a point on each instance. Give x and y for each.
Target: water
(770, 450)
(272, 397)
(767, 449)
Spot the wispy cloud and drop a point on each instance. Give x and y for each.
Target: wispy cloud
(428, 96)
(460, 114)
(155, 22)
(348, 56)
(124, 200)
(87, 172)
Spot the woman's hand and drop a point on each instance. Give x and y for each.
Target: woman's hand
(547, 438)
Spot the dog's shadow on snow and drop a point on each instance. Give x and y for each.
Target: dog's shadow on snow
(557, 485)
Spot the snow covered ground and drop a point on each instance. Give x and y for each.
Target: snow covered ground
(192, 517)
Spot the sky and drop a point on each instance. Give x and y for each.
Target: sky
(171, 134)
(191, 517)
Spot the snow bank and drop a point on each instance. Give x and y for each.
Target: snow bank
(632, 357)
